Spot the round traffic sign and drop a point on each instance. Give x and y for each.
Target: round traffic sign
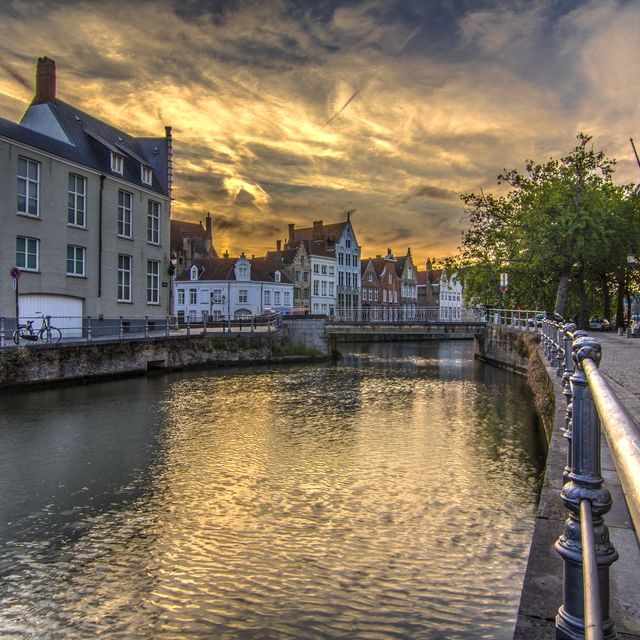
(15, 273)
(504, 288)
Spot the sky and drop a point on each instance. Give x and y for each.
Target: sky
(300, 111)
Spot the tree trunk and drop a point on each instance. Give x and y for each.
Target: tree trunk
(606, 296)
(620, 282)
(583, 315)
(563, 293)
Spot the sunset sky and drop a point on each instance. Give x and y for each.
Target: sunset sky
(297, 111)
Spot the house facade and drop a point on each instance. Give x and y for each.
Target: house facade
(295, 264)
(217, 288)
(408, 275)
(381, 281)
(340, 240)
(370, 294)
(190, 240)
(451, 301)
(85, 214)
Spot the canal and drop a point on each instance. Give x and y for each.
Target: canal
(391, 495)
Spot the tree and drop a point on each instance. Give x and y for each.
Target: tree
(558, 225)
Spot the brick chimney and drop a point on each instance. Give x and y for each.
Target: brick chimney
(278, 246)
(45, 81)
(292, 234)
(317, 230)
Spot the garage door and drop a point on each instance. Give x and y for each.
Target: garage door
(65, 312)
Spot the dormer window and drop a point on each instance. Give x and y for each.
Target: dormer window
(117, 163)
(146, 175)
(243, 272)
(194, 272)
(277, 276)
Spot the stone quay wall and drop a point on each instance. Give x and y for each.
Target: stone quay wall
(505, 347)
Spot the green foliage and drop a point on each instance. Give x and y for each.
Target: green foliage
(561, 230)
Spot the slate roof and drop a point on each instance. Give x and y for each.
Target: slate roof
(421, 277)
(318, 249)
(379, 265)
(195, 231)
(262, 270)
(330, 232)
(286, 256)
(92, 143)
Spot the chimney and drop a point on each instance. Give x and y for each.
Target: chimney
(278, 246)
(292, 234)
(225, 254)
(45, 81)
(208, 227)
(317, 230)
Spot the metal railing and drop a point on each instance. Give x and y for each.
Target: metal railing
(77, 329)
(526, 320)
(399, 314)
(584, 545)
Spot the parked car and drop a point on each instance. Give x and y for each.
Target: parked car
(599, 324)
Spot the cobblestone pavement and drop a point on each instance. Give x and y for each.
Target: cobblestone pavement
(621, 366)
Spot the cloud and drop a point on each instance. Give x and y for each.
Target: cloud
(430, 191)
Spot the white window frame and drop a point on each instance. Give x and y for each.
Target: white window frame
(193, 296)
(125, 217)
(146, 174)
(277, 276)
(117, 163)
(124, 277)
(181, 297)
(77, 252)
(22, 263)
(216, 296)
(287, 299)
(77, 201)
(153, 282)
(153, 222)
(243, 295)
(276, 298)
(30, 184)
(316, 287)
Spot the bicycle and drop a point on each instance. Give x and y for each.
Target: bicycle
(47, 333)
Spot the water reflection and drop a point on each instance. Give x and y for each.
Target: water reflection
(390, 496)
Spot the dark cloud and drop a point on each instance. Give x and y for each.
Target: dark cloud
(429, 191)
(12, 72)
(273, 156)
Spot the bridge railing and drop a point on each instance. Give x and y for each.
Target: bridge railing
(584, 545)
(408, 315)
(526, 320)
(74, 329)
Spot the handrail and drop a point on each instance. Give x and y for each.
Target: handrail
(592, 609)
(623, 436)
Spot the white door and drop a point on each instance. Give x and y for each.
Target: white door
(65, 312)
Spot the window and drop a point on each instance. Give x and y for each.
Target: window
(347, 259)
(124, 278)
(267, 296)
(146, 175)
(276, 297)
(287, 299)
(324, 269)
(124, 214)
(27, 253)
(75, 260)
(324, 288)
(390, 280)
(216, 296)
(243, 294)
(370, 278)
(316, 287)
(316, 308)
(117, 163)
(316, 268)
(331, 288)
(305, 276)
(193, 274)
(340, 258)
(277, 276)
(153, 282)
(153, 222)
(28, 186)
(395, 295)
(348, 244)
(77, 208)
(348, 276)
(376, 294)
(181, 296)
(340, 278)
(331, 271)
(217, 314)
(193, 296)
(297, 276)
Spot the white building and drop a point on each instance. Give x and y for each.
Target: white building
(322, 267)
(451, 298)
(226, 287)
(340, 240)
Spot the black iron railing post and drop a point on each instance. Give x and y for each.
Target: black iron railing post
(585, 483)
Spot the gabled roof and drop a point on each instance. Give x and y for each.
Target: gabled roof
(330, 232)
(217, 269)
(285, 257)
(380, 264)
(196, 232)
(91, 143)
(421, 278)
(435, 275)
(318, 249)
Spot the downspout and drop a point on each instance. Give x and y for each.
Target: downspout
(102, 178)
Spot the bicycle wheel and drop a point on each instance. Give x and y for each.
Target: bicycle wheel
(16, 337)
(51, 336)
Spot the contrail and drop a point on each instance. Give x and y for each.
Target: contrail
(8, 67)
(403, 44)
(344, 106)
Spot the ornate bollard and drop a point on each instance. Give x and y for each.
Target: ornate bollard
(561, 348)
(121, 328)
(553, 347)
(567, 392)
(89, 329)
(585, 483)
(188, 319)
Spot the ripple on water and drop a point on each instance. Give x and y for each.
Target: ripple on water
(389, 497)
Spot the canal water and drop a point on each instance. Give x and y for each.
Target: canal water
(390, 495)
